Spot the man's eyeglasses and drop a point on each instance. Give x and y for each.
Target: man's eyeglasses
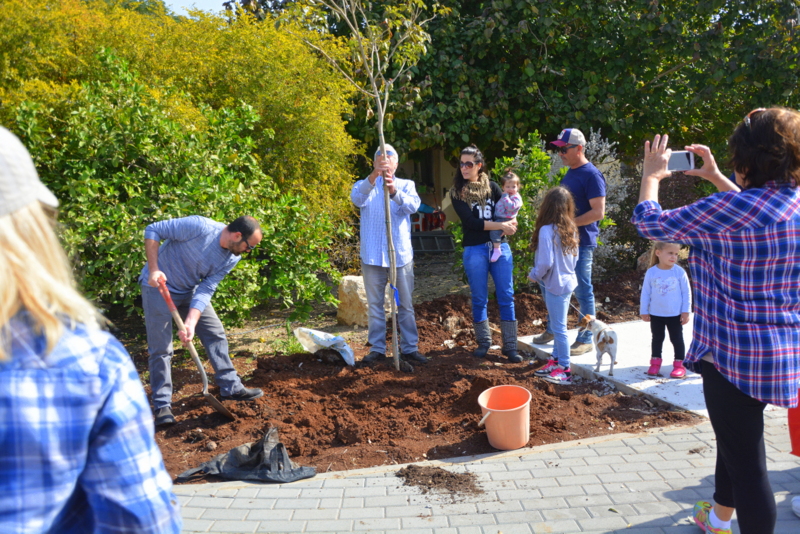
(747, 117)
(565, 148)
(389, 153)
(467, 164)
(246, 244)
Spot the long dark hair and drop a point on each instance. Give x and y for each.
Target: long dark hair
(558, 208)
(766, 146)
(458, 180)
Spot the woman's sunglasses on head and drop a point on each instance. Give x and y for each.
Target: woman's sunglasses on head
(747, 117)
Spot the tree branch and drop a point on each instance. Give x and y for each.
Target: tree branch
(674, 69)
(335, 64)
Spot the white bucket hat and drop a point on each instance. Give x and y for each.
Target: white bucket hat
(19, 181)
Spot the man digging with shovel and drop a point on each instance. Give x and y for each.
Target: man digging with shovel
(196, 255)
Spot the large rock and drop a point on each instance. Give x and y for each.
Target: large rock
(353, 302)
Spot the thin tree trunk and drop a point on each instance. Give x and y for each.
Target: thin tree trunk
(389, 245)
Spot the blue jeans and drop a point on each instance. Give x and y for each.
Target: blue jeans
(375, 280)
(158, 321)
(557, 311)
(478, 267)
(584, 293)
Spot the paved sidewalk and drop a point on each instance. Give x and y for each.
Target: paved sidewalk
(637, 484)
(630, 371)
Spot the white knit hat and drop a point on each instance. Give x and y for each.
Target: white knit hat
(19, 181)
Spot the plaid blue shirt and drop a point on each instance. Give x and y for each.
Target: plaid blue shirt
(77, 451)
(369, 199)
(745, 264)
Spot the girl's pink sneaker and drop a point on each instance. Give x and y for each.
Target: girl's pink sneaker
(655, 366)
(678, 371)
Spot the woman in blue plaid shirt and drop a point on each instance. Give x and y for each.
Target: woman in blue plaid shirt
(745, 263)
(77, 452)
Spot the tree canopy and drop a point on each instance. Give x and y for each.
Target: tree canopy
(499, 69)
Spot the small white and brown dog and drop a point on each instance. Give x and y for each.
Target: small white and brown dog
(605, 340)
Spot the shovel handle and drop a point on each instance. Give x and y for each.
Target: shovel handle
(162, 287)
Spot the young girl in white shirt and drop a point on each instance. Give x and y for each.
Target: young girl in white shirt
(665, 303)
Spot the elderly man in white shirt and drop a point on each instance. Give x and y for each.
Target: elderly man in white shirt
(367, 195)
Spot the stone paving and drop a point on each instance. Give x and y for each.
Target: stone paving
(639, 484)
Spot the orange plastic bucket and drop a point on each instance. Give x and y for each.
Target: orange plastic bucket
(506, 412)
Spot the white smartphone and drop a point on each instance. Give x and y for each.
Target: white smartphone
(681, 160)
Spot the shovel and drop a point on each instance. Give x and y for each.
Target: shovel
(162, 287)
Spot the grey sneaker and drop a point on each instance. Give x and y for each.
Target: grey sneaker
(544, 337)
(164, 417)
(579, 348)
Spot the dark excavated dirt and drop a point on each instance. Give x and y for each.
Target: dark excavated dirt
(335, 417)
(436, 480)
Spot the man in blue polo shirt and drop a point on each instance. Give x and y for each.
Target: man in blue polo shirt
(588, 188)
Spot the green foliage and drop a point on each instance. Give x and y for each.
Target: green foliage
(385, 41)
(46, 47)
(457, 231)
(118, 158)
(532, 164)
(498, 69)
(287, 345)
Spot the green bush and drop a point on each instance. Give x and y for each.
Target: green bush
(121, 154)
(50, 46)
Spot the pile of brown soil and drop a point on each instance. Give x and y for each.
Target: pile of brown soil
(335, 417)
(436, 480)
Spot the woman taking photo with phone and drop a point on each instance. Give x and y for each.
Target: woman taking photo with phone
(745, 263)
(474, 198)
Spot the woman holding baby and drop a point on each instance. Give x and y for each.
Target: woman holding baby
(474, 199)
(745, 264)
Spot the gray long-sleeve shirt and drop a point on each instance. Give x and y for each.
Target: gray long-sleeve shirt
(190, 256)
(553, 267)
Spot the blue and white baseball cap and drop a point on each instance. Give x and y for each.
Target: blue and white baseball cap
(570, 136)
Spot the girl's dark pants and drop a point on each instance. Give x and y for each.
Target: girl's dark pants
(673, 325)
(741, 479)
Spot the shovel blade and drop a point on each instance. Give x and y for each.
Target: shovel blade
(212, 400)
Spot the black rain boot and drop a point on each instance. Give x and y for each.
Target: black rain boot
(509, 331)
(483, 337)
